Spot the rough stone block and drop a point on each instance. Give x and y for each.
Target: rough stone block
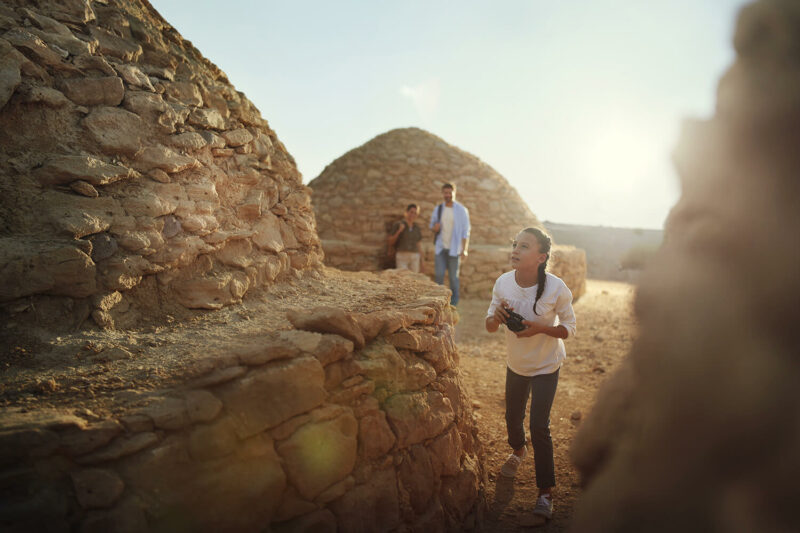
(210, 441)
(63, 169)
(202, 406)
(267, 396)
(116, 130)
(81, 441)
(107, 91)
(375, 437)
(415, 417)
(319, 455)
(328, 320)
(371, 506)
(97, 488)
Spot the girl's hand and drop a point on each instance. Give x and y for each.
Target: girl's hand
(532, 329)
(500, 313)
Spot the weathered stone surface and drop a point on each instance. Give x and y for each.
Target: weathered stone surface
(187, 141)
(332, 348)
(375, 437)
(103, 246)
(446, 452)
(38, 49)
(415, 417)
(10, 76)
(97, 488)
(18, 443)
(115, 130)
(68, 168)
(134, 76)
(211, 292)
(152, 108)
(460, 492)
(64, 41)
(84, 189)
(320, 454)
(120, 447)
(207, 118)
(210, 441)
(416, 475)
(230, 493)
(202, 406)
(221, 375)
(268, 396)
(268, 234)
(391, 371)
(82, 441)
(237, 137)
(168, 413)
(63, 270)
(116, 46)
(165, 159)
(371, 506)
(328, 320)
(46, 96)
(320, 521)
(127, 517)
(107, 91)
(260, 350)
(95, 63)
(185, 92)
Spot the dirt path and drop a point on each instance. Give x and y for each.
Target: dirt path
(605, 332)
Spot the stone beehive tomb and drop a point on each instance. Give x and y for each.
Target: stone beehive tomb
(359, 196)
(701, 429)
(175, 356)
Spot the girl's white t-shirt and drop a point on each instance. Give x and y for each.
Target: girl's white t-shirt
(540, 354)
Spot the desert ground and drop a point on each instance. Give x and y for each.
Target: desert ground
(606, 328)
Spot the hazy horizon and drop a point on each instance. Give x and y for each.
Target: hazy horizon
(577, 105)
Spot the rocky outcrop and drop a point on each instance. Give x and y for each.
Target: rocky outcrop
(360, 195)
(699, 431)
(350, 421)
(128, 157)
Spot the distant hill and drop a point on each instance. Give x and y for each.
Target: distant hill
(608, 248)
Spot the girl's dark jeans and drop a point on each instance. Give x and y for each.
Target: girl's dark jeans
(542, 390)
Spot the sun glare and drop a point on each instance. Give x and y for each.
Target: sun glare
(621, 154)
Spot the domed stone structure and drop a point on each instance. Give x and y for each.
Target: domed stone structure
(175, 355)
(133, 166)
(359, 195)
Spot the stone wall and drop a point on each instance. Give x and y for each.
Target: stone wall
(349, 422)
(360, 195)
(700, 431)
(131, 168)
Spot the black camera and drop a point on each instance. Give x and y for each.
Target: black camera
(514, 321)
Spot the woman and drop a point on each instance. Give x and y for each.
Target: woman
(534, 353)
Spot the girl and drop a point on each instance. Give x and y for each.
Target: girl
(534, 354)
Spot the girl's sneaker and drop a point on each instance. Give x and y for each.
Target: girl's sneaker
(512, 464)
(544, 506)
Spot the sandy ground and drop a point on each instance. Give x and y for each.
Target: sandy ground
(606, 330)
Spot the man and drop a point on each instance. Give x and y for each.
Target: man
(406, 237)
(450, 224)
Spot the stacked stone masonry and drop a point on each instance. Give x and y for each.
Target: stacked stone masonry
(357, 198)
(131, 165)
(351, 422)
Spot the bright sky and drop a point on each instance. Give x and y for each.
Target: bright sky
(577, 103)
